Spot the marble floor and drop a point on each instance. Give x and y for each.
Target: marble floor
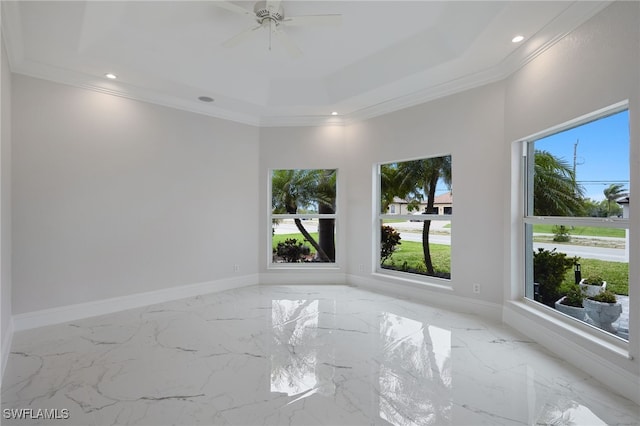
(297, 355)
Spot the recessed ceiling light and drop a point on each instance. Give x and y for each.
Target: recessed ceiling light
(517, 39)
(111, 76)
(205, 99)
(334, 113)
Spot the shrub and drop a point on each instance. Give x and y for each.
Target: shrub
(390, 238)
(593, 280)
(549, 269)
(292, 251)
(561, 234)
(574, 297)
(604, 297)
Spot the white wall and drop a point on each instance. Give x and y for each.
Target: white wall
(114, 197)
(595, 66)
(5, 208)
(303, 148)
(469, 126)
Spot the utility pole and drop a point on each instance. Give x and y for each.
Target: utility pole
(575, 162)
(575, 159)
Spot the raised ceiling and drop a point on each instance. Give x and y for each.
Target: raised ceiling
(386, 55)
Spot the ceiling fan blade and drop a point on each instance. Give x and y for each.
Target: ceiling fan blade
(243, 36)
(318, 20)
(233, 8)
(292, 49)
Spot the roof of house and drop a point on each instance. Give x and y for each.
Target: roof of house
(446, 198)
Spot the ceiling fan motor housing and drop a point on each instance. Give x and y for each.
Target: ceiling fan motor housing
(268, 11)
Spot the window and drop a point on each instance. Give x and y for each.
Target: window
(419, 241)
(303, 216)
(576, 220)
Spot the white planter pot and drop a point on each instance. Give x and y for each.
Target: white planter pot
(592, 290)
(572, 311)
(603, 314)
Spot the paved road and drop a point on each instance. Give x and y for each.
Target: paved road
(584, 252)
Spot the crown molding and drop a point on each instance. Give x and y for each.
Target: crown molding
(574, 15)
(124, 90)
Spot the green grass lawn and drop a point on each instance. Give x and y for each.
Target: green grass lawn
(615, 273)
(411, 252)
(583, 231)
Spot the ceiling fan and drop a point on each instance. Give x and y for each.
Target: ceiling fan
(270, 15)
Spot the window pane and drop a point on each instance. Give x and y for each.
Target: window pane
(300, 239)
(402, 247)
(303, 240)
(303, 191)
(583, 171)
(419, 188)
(562, 256)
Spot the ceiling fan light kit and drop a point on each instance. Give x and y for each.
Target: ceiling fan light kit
(268, 10)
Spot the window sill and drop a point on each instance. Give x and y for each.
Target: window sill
(581, 333)
(303, 266)
(408, 279)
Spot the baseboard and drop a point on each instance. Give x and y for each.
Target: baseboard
(290, 277)
(6, 348)
(605, 362)
(436, 295)
(106, 306)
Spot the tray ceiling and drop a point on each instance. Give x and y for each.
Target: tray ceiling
(385, 55)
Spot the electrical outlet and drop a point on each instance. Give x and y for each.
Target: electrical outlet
(361, 267)
(476, 288)
(236, 268)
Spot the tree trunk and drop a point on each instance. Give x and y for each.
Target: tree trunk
(321, 254)
(326, 232)
(433, 181)
(426, 251)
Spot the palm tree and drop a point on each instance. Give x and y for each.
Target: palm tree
(294, 189)
(614, 192)
(388, 185)
(417, 179)
(555, 191)
(326, 197)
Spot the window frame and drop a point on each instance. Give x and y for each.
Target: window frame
(528, 219)
(379, 218)
(273, 216)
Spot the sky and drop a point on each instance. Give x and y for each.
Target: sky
(602, 152)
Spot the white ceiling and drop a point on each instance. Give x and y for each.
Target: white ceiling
(386, 55)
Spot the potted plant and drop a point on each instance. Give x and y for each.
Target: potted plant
(571, 303)
(549, 270)
(603, 309)
(593, 284)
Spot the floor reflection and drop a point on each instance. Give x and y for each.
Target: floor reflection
(570, 414)
(294, 358)
(415, 375)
